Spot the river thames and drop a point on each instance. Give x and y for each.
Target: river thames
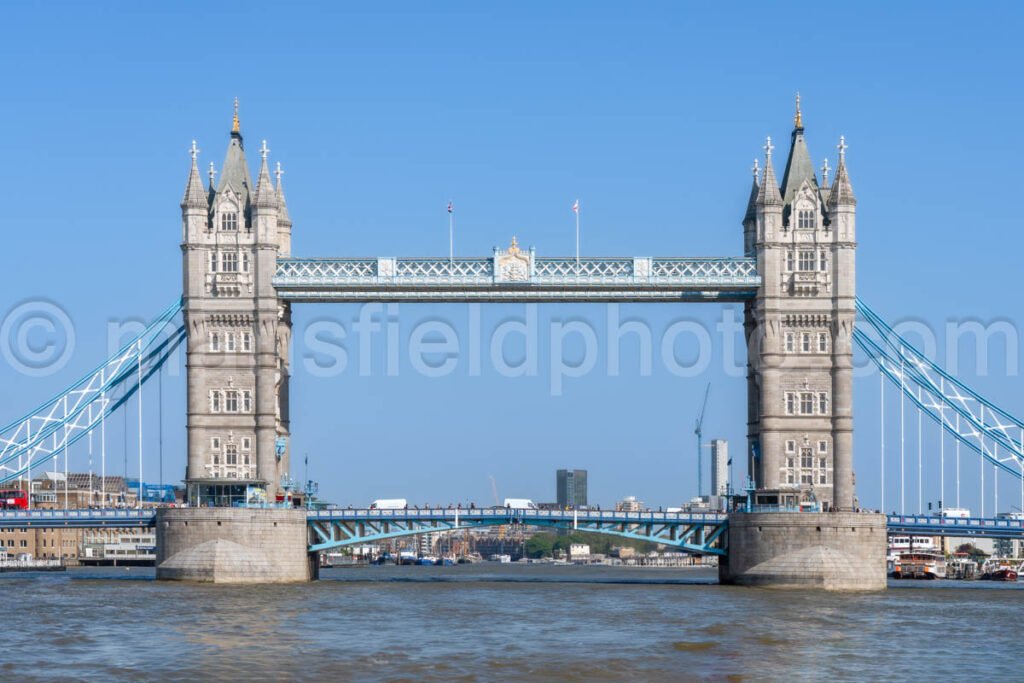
(501, 622)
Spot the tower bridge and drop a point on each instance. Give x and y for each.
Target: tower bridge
(795, 277)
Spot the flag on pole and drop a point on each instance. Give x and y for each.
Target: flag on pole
(451, 207)
(576, 206)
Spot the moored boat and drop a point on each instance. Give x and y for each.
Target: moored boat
(920, 565)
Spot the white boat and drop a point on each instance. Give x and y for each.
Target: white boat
(922, 564)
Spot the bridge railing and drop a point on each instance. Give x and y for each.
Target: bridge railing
(955, 523)
(523, 515)
(401, 272)
(43, 517)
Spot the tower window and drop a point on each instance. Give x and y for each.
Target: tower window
(805, 342)
(806, 261)
(806, 403)
(823, 448)
(789, 261)
(213, 262)
(229, 262)
(246, 342)
(790, 403)
(230, 402)
(245, 262)
(822, 343)
(823, 403)
(791, 448)
(231, 454)
(215, 401)
(229, 342)
(215, 443)
(789, 342)
(229, 221)
(214, 342)
(822, 262)
(247, 401)
(805, 219)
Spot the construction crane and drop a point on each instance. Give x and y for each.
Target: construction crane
(698, 429)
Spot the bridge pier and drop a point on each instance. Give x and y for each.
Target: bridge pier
(840, 551)
(233, 545)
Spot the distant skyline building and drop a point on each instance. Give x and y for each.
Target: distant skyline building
(629, 504)
(719, 467)
(571, 488)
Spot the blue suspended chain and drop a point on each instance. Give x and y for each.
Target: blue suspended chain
(74, 413)
(905, 366)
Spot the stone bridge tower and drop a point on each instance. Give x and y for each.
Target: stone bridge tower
(799, 330)
(238, 331)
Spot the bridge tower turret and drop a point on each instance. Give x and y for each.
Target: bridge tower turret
(799, 330)
(238, 333)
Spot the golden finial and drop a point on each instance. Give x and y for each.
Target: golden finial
(234, 122)
(514, 247)
(798, 120)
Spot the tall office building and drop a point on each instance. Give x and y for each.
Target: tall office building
(719, 467)
(571, 488)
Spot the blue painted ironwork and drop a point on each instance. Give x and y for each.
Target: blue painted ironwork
(977, 423)
(540, 279)
(83, 518)
(71, 415)
(981, 527)
(697, 533)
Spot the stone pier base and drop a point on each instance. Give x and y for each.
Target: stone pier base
(842, 551)
(233, 545)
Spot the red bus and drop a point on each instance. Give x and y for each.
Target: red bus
(12, 499)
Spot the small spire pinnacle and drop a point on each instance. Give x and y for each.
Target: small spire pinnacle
(768, 147)
(212, 173)
(824, 173)
(264, 150)
(278, 173)
(756, 170)
(798, 118)
(842, 147)
(194, 151)
(235, 128)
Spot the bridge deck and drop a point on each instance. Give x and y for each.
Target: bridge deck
(534, 280)
(920, 525)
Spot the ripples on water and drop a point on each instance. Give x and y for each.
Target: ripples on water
(501, 622)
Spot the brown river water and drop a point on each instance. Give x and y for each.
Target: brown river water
(491, 622)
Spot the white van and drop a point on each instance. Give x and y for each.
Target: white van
(520, 504)
(389, 504)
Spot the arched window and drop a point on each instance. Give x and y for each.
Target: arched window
(229, 221)
(806, 219)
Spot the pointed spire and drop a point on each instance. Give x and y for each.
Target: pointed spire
(799, 167)
(752, 201)
(824, 174)
(195, 194)
(842, 190)
(234, 172)
(768, 192)
(212, 173)
(282, 216)
(266, 196)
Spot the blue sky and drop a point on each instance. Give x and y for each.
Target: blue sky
(652, 116)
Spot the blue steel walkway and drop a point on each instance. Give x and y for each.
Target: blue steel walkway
(702, 533)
